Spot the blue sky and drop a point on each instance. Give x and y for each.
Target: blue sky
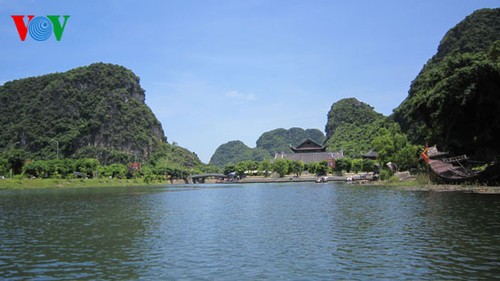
(216, 71)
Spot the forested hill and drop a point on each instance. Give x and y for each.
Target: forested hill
(268, 143)
(280, 140)
(355, 128)
(97, 111)
(236, 151)
(455, 100)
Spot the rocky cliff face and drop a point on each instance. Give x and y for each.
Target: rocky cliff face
(94, 111)
(454, 100)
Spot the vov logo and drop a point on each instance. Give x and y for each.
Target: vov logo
(40, 28)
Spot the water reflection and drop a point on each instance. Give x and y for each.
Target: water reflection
(50, 233)
(248, 232)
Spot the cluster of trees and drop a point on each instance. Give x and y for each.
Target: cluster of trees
(65, 168)
(283, 167)
(169, 161)
(393, 146)
(91, 168)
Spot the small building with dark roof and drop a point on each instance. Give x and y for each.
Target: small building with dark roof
(308, 146)
(370, 155)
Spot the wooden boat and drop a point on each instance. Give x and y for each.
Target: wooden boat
(451, 170)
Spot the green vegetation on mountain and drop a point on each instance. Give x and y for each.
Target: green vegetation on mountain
(454, 101)
(351, 126)
(236, 151)
(90, 121)
(349, 111)
(476, 33)
(356, 128)
(267, 145)
(280, 140)
(96, 111)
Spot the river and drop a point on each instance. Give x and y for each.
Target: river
(299, 231)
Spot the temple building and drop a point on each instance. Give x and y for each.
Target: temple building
(310, 151)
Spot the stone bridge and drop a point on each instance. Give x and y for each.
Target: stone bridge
(201, 178)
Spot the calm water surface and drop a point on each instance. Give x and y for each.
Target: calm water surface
(248, 232)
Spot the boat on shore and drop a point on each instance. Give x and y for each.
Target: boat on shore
(453, 171)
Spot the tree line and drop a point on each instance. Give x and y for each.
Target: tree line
(283, 167)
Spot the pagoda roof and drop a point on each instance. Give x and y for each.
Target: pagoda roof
(308, 146)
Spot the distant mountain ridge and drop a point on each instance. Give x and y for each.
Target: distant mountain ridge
(278, 140)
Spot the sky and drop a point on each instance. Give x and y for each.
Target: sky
(221, 70)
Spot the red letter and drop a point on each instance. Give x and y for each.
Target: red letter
(22, 28)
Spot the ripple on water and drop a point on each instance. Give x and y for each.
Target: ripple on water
(252, 232)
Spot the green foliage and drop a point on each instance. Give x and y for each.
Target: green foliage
(236, 151)
(476, 33)
(322, 169)
(229, 168)
(86, 166)
(369, 165)
(88, 112)
(384, 145)
(4, 166)
(60, 168)
(265, 167)
(279, 140)
(37, 169)
(352, 125)
(355, 136)
(114, 171)
(454, 101)
(343, 164)
(357, 165)
(393, 146)
(207, 169)
(175, 155)
(267, 145)
(407, 157)
(296, 167)
(281, 166)
(241, 168)
(349, 111)
(386, 174)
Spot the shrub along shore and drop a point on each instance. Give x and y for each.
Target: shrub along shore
(70, 183)
(417, 184)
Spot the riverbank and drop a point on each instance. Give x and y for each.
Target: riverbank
(451, 188)
(70, 183)
(408, 185)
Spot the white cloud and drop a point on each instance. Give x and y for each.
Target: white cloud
(240, 96)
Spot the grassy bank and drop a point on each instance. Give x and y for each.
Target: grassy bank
(67, 183)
